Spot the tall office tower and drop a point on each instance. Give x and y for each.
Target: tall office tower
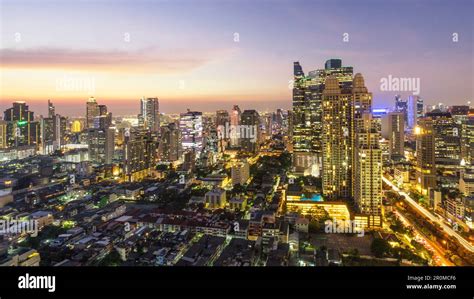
(101, 144)
(277, 121)
(235, 122)
(266, 125)
(401, 105)
(425, 155)
(51, 109)
(415, 110)
(250, 131)
(378, 115)
(361, 97)
(169, 149)
(92, 110)
(222, 122)
(470, 138)
(337, 140)
(53, 130)
(60, 127)
(222, 118)
(393, 129)
(140, 154)
(3, 134)
(333, 64)
(47, 135)
(211, 147)
(307, 113)
(460, 116)
(447, 138)
(191, 127)
(150, 114)
(368, 170)
(362, 104)
(21, 129)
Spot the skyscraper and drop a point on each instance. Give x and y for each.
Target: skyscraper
(425, 155)
(21, 128)
(307, 113)
(53, 130)
(415, 110)
(222, 122)
(47, 135)
(393, 129)
(235, 122)
(470, 138)
(368, 170)
(92, 110)
(337, 140)
(101, 145)
(169, 149)
(250, 131)
(447, 138)
(191, 127)
(150, 113)
(140, 154)
(51, 109)
(460, 116)
(401, 105)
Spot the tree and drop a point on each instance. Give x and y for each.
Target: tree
(380, 247)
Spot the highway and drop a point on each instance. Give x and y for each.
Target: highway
(430, 216)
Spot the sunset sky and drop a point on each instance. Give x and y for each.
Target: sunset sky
(185, 53)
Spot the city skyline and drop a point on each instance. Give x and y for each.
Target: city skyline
(217, 134)
(206, 56)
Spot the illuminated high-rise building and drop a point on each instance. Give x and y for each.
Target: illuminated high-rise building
(92, 110)
(101, 145)
(51, 109)
(150, 114)
(470, 138)
(337, 140)
(21, 128)
(47, 135)
(140, 154)
(361, 105)
(368, 170)
(249, 132)
(461, 118)
(3, 134)
(401, 105)
(169, 149)
(415, 110)
(222, 122)
(307, 113)
(447, 138)
(425, 155)
(235, 122)
(53, 130)
(362, 98)
(222, 118)
(191, 127)
(393, 129)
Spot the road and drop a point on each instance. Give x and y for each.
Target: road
(430, 216)
(438, 253)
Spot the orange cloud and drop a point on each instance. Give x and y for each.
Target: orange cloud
(145, 60)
